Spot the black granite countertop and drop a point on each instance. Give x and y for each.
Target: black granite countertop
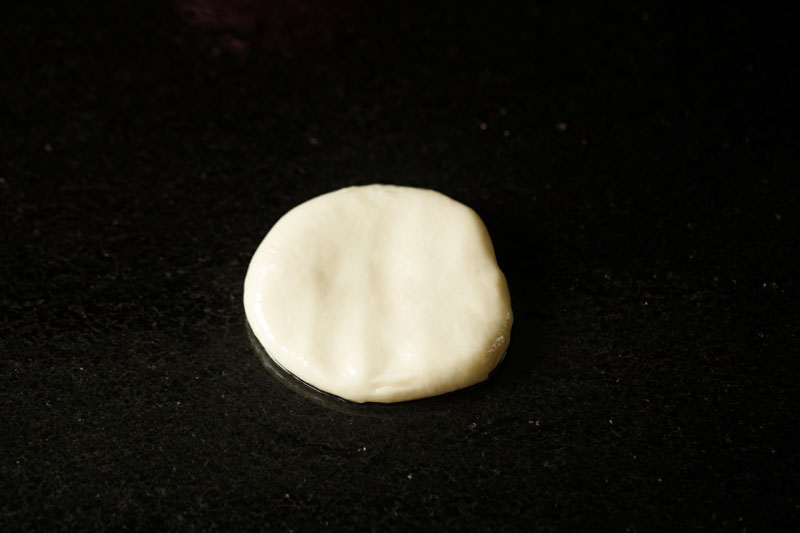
(635, 164)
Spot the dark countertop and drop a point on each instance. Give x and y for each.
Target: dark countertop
(636, 167)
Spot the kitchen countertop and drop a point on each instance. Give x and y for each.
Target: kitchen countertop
(636, 168)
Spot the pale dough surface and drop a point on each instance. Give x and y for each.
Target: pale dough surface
(380, 293)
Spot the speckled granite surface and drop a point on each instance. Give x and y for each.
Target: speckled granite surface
(635, 165)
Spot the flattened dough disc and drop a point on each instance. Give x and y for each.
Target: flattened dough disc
(380, 294)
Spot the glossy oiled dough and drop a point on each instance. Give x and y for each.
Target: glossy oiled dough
(380, 293)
